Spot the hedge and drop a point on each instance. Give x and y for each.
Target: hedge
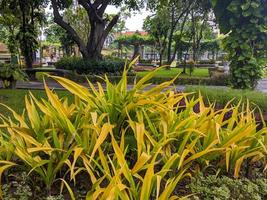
(82, 66)
(220, 81)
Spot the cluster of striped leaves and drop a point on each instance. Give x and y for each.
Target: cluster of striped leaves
(135, 143)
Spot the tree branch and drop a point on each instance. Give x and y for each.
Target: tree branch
(59, 20)
(97, 3)
(103, 7)
(111, 24)
(91, 10)
(85, 4)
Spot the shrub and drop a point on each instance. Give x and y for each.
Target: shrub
(223, 188)
(129, 144)
(206, 62)
(114, 58)
(18, 189)
(143, 61)
(82, 66)
(216, 81)
(10, 73)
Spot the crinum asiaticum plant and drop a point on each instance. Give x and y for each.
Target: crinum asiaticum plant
(133, 143)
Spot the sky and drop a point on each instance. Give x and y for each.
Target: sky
(133, 23)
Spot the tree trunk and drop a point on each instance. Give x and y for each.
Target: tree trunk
(28, 57)
(173, 25)
(160, 58)
(100, 27)
(136, 51)
(96, 41)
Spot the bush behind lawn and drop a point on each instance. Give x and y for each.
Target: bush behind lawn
(113, 68)
(218, 81)
(222, 96)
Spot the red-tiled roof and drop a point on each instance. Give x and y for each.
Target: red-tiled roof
(129, 33)
(3, 48)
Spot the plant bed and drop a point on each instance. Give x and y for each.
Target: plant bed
(223, 188)
(223, 95)
(125, 144)
(260, 117)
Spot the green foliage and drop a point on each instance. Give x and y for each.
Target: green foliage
(28, 15)
(79, 20)
(247, 41)
(223, 95)
(56, 34)
(59, 197)
(83, 66)
(199, 77)
(191, 67)
(142, 138)
(199, 72)
(135, 39)
(18, 189)
(158, 27)
(10, 73)
(15, 98)
(222, 188)
(113, 58)
(9, 27)
(143, 61)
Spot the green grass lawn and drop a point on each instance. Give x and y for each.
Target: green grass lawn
(198, 72)
(15, 99)
(222, 96)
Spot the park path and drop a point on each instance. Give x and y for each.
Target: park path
(262, 86)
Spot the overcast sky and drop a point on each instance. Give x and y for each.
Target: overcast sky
(135, 22)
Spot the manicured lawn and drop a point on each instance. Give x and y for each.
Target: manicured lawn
(15, 98)
(199, 72)
(222, 96)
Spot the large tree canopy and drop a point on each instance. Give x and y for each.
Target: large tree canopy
(100, 23)
(136, 40)
(245, 23)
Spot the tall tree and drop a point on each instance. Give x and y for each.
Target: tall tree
(101, 24)
(157, 26)
(199, 17)
(9, 28)
(29, 13)
(56, 34)
(173, 14)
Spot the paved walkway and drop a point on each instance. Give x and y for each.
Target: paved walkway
(54, 85)
(262, 86)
